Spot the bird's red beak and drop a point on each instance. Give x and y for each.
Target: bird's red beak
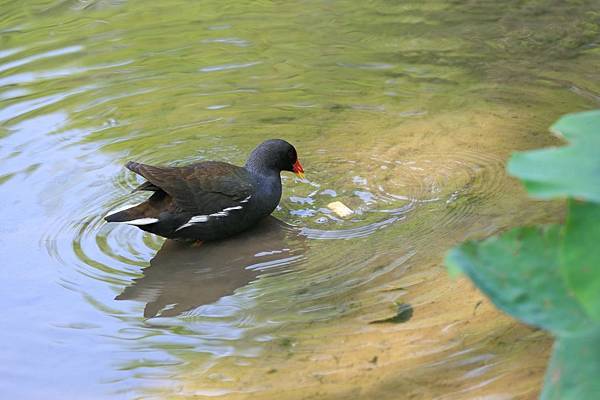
(298, 170)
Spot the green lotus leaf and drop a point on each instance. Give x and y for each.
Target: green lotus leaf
(520, 272)
(580, 255)
(574, 369)
(572, 170)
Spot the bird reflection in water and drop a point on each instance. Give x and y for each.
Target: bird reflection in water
(182, 277)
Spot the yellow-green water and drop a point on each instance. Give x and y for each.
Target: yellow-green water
(404, 111)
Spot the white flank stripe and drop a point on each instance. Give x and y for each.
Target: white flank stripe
(142, 221)
(182, 226)
(246, 199)
(122, 208)
(198, 218)
(203, 218)
(194, 220)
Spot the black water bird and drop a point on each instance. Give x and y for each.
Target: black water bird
(210, 200)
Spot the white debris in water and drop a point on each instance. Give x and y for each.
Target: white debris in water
(340, 209)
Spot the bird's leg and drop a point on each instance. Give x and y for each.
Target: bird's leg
(197, 243)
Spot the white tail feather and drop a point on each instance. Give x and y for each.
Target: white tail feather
(119, 209)
(141, 221)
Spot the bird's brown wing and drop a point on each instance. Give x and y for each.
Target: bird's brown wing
(204, 188)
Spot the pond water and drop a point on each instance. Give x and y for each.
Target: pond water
(404, 111)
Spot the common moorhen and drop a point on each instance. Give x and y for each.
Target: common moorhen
(210, 200)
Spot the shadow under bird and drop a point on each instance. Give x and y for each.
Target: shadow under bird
(210, 200)
(182, 277)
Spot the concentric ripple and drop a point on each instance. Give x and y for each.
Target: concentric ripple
(235, 301)
(453, 182)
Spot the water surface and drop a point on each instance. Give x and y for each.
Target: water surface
(405, 112)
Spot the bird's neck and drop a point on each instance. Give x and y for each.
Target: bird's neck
(268, 185)
(268, 179)
(256, 167)
(264, 176)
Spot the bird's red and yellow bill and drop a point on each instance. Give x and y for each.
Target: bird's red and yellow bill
(298, 170)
